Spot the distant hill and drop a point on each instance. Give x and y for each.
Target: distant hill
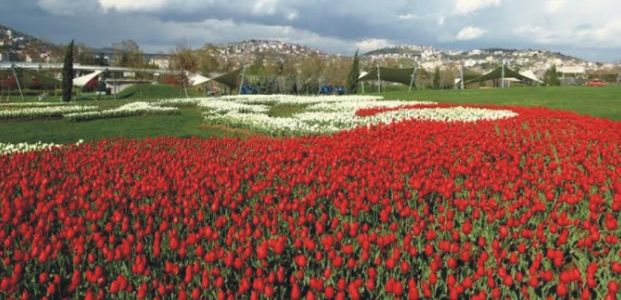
(483, 59)
(269, 46)
(264, 52)
(402, 50)
(19, 46)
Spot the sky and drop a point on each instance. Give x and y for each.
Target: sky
(587, 29)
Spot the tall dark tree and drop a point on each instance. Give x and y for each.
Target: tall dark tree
(354, 74)
(551, 77)
(128, 54)
(100, 60)
(83, 55)
(67, 83)
(436, 78)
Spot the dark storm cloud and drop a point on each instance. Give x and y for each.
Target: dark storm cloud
(589, 30)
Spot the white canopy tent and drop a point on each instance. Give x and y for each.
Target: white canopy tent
(511, 79)
(197, 79)
(84, 80)
(531, 75)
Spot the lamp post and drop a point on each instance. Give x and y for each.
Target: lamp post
(502, 76)
(461, 75)
(19, 86)
(413, 76)
(243, 75)
(379, 84)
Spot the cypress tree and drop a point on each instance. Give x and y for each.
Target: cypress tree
(436, 79)
(354, 74)
(67, 84)
(551, 77)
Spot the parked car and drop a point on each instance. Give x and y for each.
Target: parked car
(596, 83)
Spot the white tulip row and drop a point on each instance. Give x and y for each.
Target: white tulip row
(451, 114)
(178, 102)
(354, 106)
(6, 148)
(221, 106)
(329, 115)
(43, 112)
(269, 100)
(322, 114)
(32, 104)
(131, 109)
(299, 100)
(330, 122)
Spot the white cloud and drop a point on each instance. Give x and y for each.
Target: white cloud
(536, 34)
(609, 33)
(553, 6)
(292, 15)
(68, 8)
(133, 5)
(602, 36)
(409, 16)
(372, 44)
(470, 33)
(586, 27)
(441, 20)
(464, 7)
(211, 30)
(265, 7)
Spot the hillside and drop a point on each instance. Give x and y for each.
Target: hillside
(19, 46)
(482, 59)
(267, 47)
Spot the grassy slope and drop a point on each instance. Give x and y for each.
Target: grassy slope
(156, 91)
(600, 102)
(61, 131)
(135, 92)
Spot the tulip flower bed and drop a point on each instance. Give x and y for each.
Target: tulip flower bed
(32, 104)
(127, 110)
(25, 147)
(77, 113)
(329, 114)
(520, 207)
(43, 112)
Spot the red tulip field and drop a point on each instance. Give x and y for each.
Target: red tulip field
(525, 207)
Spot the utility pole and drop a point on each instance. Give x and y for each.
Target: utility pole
(461, 75)
(114, 83)
(379, 84)
(509, 67)
(19, 87)
(413, 76)
(243, 75)
(184, 77)
(502, 76)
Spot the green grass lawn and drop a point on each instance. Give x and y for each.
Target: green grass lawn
(285, 110)
(135, 92)
(187, 123)
(599, 102)
(155, 91)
